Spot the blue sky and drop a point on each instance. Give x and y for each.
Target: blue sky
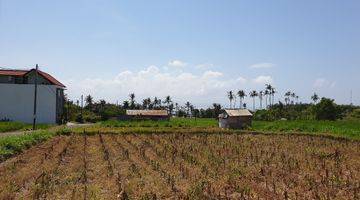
(192, 50)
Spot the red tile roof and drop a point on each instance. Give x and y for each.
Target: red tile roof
(11, 72)
(8, 72)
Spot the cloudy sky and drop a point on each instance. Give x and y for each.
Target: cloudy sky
(192, 50)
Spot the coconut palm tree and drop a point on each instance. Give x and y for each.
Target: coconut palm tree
(168, 101)
(188, 107)
(266, 93)
(253, 94)
(231, 97)
(315, 98)
(132, 100)
(272, 92)
(242, 95)
(89, 100)
(293, 95)
(261, 94)
(269, 88)
(287, 97)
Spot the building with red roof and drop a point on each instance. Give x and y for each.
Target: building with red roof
(17, 96)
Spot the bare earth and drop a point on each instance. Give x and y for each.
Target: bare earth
(179, 166)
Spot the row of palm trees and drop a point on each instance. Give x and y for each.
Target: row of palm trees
(268, 94)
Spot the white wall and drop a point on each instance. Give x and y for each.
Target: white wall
(17, 103)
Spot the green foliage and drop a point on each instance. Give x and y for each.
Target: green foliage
(355, 114)
(326, 110)
(64, 131)
(13, 126)
(174, 122)
(349, 129)
(11, 145)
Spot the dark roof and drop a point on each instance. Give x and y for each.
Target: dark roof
(147, 112)
(13, 72)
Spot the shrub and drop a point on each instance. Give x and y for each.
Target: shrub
(326, 110)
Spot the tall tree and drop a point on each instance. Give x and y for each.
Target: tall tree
(261, 94)
(287, 97)
(132, 100)
(168, 102)
(315, 98)
(253, 94)
(89, 100)
(293, 96)
(242, 95)
(231, 97)
(269, 88)
(266, 93)
(188, 108)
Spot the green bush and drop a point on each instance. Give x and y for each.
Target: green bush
(326, 110)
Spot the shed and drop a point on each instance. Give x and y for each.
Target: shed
(235, 118)
(148, 114)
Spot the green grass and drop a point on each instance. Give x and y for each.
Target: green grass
(172, 123)
(348, 129)
(12, 145)
(14, 126)
(345, 129)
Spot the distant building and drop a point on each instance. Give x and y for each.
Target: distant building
(147, 114)
(239, 118)
(17, 96)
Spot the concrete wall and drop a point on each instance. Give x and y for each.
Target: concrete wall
(235, 122)
(17, 100)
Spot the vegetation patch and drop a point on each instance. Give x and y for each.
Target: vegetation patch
(14, 126)
(346, 129)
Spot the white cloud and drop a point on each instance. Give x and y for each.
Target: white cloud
(263, 80)
(177, 63)
(262, 65)
(204, 66)
(241, 80)
(201, 89)
(323, 83)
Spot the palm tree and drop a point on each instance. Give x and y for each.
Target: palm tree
(146, 103)
(242, 95)
(231, 97)
(188, 107)
(269, 88)
(287, 97)
(315, 98)
(132, 100)
(168, 101)
(126, 105)
(266, 97)
(156, 102)
(272, 92)
(89, 101)
(261, 94)
(253, 94)
(293, 95)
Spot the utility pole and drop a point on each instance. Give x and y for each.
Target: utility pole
(82, 105)
(35, 97)
(351, 103)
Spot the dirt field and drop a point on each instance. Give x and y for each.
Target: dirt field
(176, 166)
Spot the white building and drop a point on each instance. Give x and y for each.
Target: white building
(17, 96)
